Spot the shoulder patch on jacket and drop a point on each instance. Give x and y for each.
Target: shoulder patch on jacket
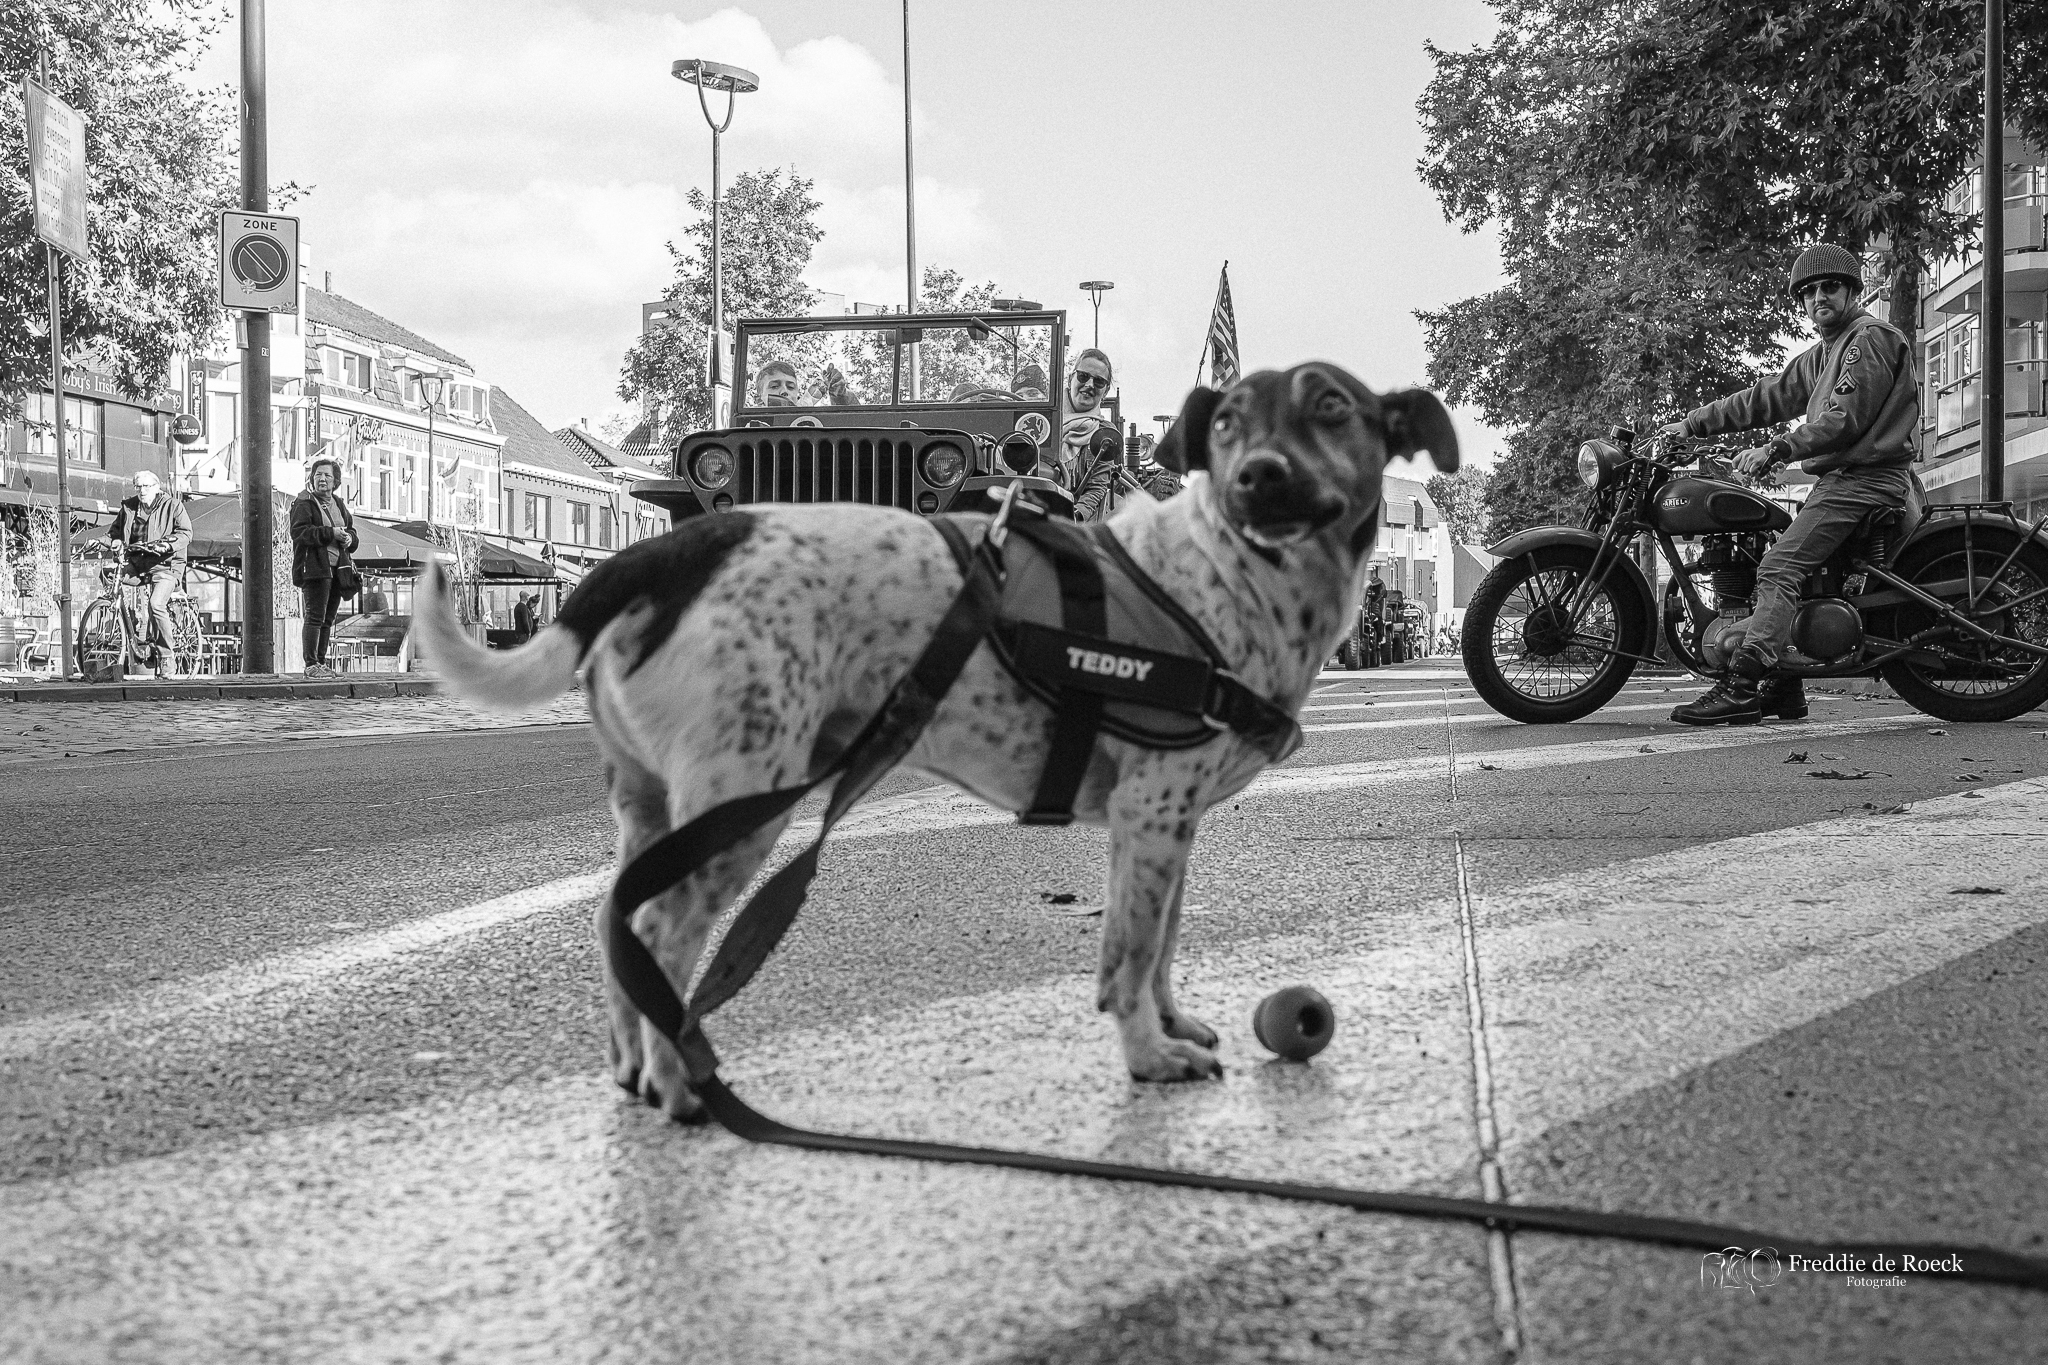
(1846, 386)
(1855, 353)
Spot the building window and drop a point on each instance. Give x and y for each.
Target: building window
(508, 512)
(579, 522)
(383, 481)
(539, 513)
(84, 441)
(605, 531)
(345, 367)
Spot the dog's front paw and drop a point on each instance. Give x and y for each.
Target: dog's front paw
(1188, 1028)
(1175, 1059)
(624, 1060)
(664, 1086)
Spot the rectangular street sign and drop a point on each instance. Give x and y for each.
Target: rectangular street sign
(259, 262)
(56, 158)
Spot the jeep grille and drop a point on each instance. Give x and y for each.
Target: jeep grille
(871, 470)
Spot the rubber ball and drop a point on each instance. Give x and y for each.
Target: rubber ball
(1296, 1023)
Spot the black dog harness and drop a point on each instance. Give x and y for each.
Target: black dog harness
(1118, 701)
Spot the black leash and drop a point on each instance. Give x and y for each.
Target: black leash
(768, 915)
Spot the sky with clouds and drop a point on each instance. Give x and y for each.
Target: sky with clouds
(502, 175)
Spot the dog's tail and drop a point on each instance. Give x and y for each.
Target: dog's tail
(491, 679)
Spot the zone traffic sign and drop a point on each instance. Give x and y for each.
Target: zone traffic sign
(259, 261)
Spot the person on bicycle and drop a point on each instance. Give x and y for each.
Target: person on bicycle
(153, 529)
(1857, 391)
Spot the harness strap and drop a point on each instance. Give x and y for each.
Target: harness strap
(1077, 717)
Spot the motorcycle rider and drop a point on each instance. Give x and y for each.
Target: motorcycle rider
(1858, 393)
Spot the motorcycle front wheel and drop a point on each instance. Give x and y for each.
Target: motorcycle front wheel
(1532, 664)
(1978, 681)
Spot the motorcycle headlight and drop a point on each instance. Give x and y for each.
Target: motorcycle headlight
(711, 467)
(1596, 461)
(944, 463)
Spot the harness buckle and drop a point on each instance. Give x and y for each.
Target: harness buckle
(1218, 695)
(999, 524)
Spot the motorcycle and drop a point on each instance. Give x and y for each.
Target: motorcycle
(1952, 613)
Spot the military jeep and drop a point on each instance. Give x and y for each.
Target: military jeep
(929, 412)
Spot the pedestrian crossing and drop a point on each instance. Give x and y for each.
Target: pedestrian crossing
(551, 1220)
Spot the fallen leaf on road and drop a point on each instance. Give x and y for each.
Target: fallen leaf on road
(1856, 776)
(1796, 756)
(1646, 749)
(1973, 796)
(1885, 810)
(1937, 732)
(1978, 891)
(1969, 777)
(1489, 767)
(1058, 897)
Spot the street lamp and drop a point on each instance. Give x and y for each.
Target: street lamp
(733, 81)
(1096, 289)
(432, 384)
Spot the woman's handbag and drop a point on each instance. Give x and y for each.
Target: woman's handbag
(347, 582)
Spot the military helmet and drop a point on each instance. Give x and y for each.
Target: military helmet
(1825, 261)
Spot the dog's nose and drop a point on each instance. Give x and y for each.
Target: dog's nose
(1262, 473)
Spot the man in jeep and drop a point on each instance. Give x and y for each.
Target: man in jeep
(1857, 391)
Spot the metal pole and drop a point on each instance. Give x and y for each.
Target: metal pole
(1991, 328)
(717, 267)
(1098, 322)
(909, 175)
(258, 521)
(64, 641)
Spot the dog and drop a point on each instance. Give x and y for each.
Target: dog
(743, 651)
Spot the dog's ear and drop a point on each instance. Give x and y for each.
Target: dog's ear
(1186, 447)
(1417, 421)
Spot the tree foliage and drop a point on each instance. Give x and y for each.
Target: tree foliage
(767, 232)
(1461, 498)
(160, 167)
(1652, 167)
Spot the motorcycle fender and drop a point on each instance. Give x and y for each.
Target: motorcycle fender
(1539, 537)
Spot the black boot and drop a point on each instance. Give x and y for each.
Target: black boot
(1782, 697)
(1731, 701)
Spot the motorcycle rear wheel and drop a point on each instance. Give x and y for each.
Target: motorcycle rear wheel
(1991, 691)
(1516, 655)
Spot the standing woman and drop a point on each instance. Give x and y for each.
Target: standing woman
(323, 534)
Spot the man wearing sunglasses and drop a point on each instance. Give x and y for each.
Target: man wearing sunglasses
(1087, 467)
(1861, 401)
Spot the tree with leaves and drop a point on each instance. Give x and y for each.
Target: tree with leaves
(1461, 498)
(1647, 161)
(160, 167)
(768, 230)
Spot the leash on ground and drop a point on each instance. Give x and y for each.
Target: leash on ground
(764, 920)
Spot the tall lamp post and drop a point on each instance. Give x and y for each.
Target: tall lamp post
(733, 81)
(1991, 328)
(1096, 289)
(432, 384)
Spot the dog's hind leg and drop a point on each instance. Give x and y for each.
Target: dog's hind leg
(1148, 855)
(1177, 1022)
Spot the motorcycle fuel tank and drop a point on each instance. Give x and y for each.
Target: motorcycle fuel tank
(1698, 507)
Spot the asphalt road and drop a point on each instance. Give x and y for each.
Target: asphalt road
(301, 1054)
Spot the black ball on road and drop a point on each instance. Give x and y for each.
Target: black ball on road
(1295, 1023)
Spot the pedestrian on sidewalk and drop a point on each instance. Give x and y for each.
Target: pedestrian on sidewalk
(152, 529)
(323, 537)
(522, 617)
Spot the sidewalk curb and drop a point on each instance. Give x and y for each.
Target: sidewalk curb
(281, 689)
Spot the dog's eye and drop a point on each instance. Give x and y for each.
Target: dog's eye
(1225, 424)
(1334, 407)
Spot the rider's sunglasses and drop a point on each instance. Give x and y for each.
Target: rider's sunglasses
(1083, 377)
(1815, 288)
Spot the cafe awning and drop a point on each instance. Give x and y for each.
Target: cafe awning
(217, 536)
(498, 563)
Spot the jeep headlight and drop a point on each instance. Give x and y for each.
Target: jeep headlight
(943, 464)
(1597, 459)
(711, 467)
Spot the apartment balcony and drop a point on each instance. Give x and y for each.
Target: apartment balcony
(1960, 406)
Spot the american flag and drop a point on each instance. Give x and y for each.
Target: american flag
(1222, 342)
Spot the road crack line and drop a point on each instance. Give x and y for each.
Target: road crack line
(1507, 1311)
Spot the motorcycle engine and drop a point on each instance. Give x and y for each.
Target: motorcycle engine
(1826, 628)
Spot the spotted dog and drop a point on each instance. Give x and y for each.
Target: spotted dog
(743, 651)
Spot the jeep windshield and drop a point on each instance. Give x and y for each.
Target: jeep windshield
(826, 366)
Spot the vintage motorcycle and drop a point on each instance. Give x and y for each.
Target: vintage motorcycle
(1952, 613)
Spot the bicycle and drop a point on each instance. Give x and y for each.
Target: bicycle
(113, 632)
